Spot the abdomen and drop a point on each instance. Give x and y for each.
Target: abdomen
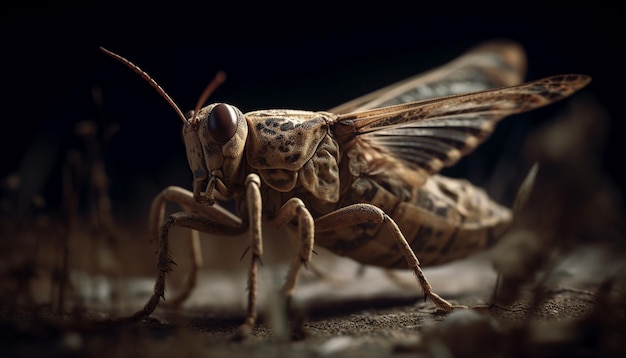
(444, 220)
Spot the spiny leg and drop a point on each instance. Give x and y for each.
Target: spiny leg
(255, 209)
(185, 199)
(366, 213)
(193, 221)
(195, 254)
(414, 264)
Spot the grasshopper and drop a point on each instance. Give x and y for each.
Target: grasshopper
(360, 179)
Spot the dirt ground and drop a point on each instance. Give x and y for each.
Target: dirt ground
(357, 312)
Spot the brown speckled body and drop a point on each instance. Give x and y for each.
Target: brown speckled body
(360, 179)
(331, 161)
(443, 220)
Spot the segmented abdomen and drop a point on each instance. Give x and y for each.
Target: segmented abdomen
(444, 220)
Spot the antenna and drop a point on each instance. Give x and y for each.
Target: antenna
(152, 82)
(219, 78)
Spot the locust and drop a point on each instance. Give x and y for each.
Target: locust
(361, 179)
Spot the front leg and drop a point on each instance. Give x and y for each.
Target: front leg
(209, 219)
(187, 202)
(255, 209)
(366, 213)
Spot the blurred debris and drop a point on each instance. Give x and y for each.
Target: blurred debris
(467, 333)
(461, 334)
(18, 246)
(571, 200)
(35, 169)
(84, 179)
(36, 249)
(96, 134)
(337, 345)
(571, 207)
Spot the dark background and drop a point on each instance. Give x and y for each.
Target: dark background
(308, 58)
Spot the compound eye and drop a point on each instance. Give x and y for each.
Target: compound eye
(222, 123)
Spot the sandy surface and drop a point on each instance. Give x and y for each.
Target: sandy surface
(360, 313)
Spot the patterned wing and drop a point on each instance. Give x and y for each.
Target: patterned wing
(490, 65)
(421, 138)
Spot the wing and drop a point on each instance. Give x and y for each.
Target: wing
(422, 137)
(490, 65)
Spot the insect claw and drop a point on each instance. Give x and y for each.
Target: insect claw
(257, 258)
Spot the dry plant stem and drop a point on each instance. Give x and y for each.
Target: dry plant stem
(539, 288)
(366, 213)
(70, 202)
